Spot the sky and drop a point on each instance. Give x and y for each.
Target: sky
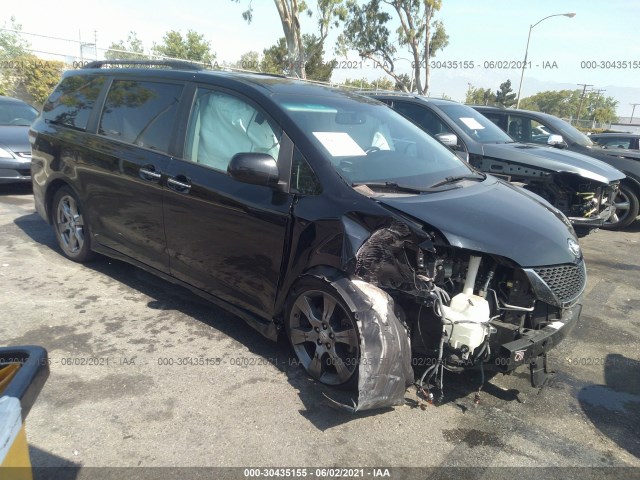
(479, 31)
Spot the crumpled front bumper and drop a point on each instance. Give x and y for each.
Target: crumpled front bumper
(536, 342)
(595, 221)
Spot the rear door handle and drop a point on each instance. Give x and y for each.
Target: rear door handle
(148, 172)
(179, 185)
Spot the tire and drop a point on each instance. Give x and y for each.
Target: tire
(71, 226)
(323, 333)
(627, 206)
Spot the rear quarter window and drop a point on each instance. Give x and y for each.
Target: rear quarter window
(72, 101)
(141, 113)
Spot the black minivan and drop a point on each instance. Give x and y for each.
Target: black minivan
(311, 211)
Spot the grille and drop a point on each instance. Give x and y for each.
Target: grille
(565, 281)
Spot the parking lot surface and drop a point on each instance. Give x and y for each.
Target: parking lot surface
(147, 374)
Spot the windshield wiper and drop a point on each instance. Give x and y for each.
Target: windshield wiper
(389, 185)
(457, 178)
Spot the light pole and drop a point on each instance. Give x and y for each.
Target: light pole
(526, 52)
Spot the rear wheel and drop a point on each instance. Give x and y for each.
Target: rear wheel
(626, 208)
(72, 231)
(323, 333)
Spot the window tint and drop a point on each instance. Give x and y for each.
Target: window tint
(423, 117)
(17, 114)
(614, 142)
(142, 113)
(303, 179)
(519, 129)
(222, 125)
(72, 101)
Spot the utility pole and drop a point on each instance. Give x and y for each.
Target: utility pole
(598, 91)
(633, 111)
(95, 42)
(584, 91)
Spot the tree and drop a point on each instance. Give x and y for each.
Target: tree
(367, 32)
(132, 49)
(276, 60)
(13, 49)
(561, 103)
(504, 95)
(300, 53)
(249, 61)
(192, 47)
(479, 96)
(364, 84)
(39, 77)
(565, 104)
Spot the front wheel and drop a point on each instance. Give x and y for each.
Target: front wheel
(626, 208)
(72, 231)
(323, 333)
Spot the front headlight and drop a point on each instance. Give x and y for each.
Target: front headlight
(4, 153)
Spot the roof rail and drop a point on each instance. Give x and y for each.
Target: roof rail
(174, 64)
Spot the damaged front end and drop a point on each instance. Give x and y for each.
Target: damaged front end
(413, 294)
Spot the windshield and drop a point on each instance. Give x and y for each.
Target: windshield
(17, 114)
(367, 142)
(572, 134)
(474, 124)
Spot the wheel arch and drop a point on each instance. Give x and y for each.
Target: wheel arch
(51, 191)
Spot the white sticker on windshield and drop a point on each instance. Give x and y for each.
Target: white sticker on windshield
(472, 123)
(339, 144)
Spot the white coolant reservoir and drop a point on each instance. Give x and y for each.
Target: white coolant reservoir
(469, 314)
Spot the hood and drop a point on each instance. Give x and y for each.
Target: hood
(554, 159)
(15, 138)
(615, 152)
(496, 218)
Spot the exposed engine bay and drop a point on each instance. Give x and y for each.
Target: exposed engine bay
(579, 198)
(462, 309)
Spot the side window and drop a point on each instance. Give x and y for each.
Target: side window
(141, 113)
(303, 178)
(539, 133)
(222, 125)
(428, 120)
(495, 118)
(519, 129)
(72, 101)
(615, 142)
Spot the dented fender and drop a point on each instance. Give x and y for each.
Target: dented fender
(384, 371)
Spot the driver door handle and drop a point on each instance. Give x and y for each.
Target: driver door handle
(178, 185)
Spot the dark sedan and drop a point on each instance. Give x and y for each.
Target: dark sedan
(543, 129)
(15, 151)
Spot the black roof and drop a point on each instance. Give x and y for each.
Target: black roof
(274, 84)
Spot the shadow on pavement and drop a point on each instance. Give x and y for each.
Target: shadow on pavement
(168, 296)
(15, 189)
(614, 408)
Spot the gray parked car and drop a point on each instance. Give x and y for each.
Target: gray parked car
(579, 186)
(15, 151)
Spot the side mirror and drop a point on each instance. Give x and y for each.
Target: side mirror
(556, 141)
(449, 139)
(254, 168)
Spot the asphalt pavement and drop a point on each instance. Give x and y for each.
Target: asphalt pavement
(147, 374)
